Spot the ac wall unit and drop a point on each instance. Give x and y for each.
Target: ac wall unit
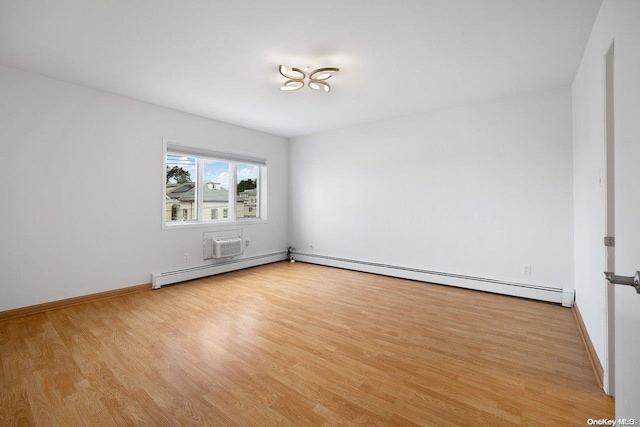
(227, 247)
(222, 244)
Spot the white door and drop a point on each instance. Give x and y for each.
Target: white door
(627, 220)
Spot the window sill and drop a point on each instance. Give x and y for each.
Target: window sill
(212, 224)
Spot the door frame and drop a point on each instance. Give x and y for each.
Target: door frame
(609, 199)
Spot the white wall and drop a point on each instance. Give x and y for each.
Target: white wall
(619, 21)
(476, 190)
(81, 189)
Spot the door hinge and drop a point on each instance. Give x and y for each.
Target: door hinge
(610, 241)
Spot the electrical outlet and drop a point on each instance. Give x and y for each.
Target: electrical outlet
(526, 269)
(311, 244)
(186, 257)
(246, 242)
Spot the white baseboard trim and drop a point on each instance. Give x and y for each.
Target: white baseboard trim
(159, 279)
(568, 297)
(524, 290)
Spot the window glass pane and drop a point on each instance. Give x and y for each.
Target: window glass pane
(215, 195)
(247, 191)
(180, 188)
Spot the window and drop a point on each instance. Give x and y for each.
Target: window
(215, 191)
(246, 190)
(199, 183)
(181, 180)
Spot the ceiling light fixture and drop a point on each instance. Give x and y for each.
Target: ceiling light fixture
(295, 78)
(319, 85)
(293, 74)
(292, 85)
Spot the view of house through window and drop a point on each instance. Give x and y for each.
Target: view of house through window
(215, 195)
(203, 190)
(180, 196)
(247, 191)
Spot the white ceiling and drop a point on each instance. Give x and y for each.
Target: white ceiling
(219, 58)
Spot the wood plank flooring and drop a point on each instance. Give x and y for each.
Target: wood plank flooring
(299, 344)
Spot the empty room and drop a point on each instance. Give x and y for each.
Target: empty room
(251, 213)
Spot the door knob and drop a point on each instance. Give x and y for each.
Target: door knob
(624, 280)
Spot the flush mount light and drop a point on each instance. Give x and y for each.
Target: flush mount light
(292, 85)
(293, 74)
(295, 78)
(323, 73)
(319, 85)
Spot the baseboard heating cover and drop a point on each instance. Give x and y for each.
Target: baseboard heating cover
(524, 290)
(160, 279)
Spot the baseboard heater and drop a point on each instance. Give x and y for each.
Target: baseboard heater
(160, 279)
(524, 290)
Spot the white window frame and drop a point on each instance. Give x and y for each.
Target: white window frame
(171, 146)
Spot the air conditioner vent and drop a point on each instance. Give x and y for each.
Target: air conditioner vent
(222, 244)
(227, 247)
(222, 247)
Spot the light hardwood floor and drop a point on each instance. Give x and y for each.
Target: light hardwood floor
(298, 344)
